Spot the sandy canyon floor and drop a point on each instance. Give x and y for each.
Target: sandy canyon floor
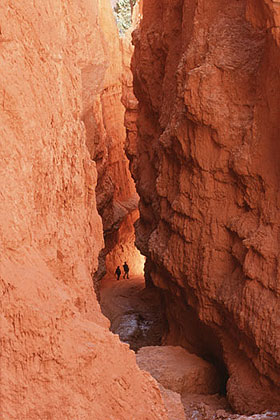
(137, 316)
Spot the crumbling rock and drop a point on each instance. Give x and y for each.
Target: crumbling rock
(173, 404)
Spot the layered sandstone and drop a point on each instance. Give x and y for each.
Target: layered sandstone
(58, 359)
(205, 161)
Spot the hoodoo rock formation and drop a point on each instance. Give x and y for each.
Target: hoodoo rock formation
(58, 359)
(206, 165)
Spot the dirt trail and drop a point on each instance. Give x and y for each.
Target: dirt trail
(137, 316)
(135, 313)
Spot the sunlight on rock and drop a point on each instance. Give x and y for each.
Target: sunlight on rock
(124, 249)
(139, 264)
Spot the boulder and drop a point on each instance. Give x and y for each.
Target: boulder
(178, 370)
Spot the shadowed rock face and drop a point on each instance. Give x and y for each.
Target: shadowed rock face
(58, 359)
(206, 165)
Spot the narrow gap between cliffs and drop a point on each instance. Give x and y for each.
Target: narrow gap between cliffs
(138, 313)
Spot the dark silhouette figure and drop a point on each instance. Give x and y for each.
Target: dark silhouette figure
(118, 272)
(126, 270)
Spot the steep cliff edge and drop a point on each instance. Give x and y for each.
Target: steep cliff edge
(206, 165)
(58, 359)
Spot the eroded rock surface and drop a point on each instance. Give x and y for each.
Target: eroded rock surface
(177, 369)
(173, 404)
(103, 115)
(58, 359)
(206, 164)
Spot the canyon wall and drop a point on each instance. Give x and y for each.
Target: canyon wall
(117, 200)
(206, 165)
(58, 359)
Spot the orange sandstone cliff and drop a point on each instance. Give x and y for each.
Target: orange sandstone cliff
(103, 115)
(58, 359)
(206, 165)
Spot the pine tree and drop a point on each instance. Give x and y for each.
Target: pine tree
(123, 13)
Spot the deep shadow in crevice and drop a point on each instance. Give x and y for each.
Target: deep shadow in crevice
(187, 330)
(222, 372)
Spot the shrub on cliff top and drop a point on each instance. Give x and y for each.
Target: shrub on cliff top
(123, 14)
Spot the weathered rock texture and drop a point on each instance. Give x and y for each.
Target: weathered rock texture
(131, 105)
(173, 404)
(206, 163)
(103, 115)
(177, 369)
(58, 360)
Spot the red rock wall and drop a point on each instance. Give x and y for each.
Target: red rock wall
(117, 199)
(206, 163)
(58, 359)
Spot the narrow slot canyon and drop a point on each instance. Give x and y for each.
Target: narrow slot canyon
(143, 133)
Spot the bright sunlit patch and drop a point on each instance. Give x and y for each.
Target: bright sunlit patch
(139, 264)
(128, 254)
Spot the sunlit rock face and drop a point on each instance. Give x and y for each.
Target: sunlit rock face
(206, 164)
(117, 200)
(127, 232)
(58, 360)
(124, 249)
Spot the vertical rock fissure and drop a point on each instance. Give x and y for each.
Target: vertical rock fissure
(117, 200)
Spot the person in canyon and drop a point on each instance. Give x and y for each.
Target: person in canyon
(126, 270)
(118, 272)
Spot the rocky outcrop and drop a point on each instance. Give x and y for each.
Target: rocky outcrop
(206, 167)
(58, 359)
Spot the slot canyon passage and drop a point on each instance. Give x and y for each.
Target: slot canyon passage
(184, 148)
